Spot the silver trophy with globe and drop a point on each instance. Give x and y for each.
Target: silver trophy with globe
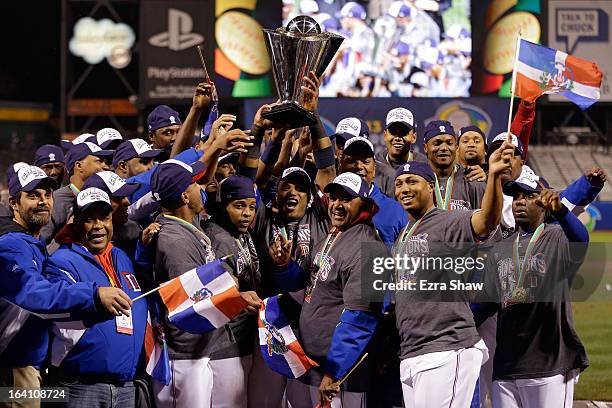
(294, 51)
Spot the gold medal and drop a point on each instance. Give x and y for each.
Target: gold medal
(519, 295)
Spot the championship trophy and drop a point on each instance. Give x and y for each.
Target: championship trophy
(295, 50)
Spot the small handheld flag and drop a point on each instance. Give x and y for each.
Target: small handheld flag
(280, 348)
(202, 299)
(156, 350)
(542, 70)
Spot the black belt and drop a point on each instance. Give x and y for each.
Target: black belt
(58, 374)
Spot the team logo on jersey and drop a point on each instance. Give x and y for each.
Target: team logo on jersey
(303, 239)
(326, 265)
(274, 340)
(417, 245)
(200, 295)
(131, 281)
(460, 205)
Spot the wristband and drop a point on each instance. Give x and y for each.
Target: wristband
(270, 155)
(324, 157)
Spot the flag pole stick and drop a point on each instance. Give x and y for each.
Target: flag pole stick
(159, 287)
(513, 84)
(343, 379)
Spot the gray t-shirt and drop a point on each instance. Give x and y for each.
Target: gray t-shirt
(179, 248)
(466, 195)
(385, 171)
(337, 284)
(428, 326)
(63, 199)
(536, 339)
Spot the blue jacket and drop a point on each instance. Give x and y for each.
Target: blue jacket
(27, 299)
(100, 349)
(390, 218)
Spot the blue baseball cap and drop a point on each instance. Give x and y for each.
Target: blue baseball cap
(351, 183)
(111, 184)
(162, 116)
(296, 174)
(229, 158)
(83, 137)
(352, 9)
(351, 127)
(48, 154)
(81, 151)
(108, 138)
(172, 177)
(526, 182)
(236, 188)
(399, 9)
(134, 148)
(436, 128)
(401, 48)
(418, 169)
(29, 178)
(497, 141)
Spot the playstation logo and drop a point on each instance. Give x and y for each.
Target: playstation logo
(179, 35)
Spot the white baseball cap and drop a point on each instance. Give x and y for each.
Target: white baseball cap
(356, 141)
(90, 196)
(28, 178)
(107, 136)
(351, 183)
(400, 115)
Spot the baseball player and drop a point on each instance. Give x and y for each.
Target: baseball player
(337, 320)
(452, 188)
(441, 351)
(539, 355)
(472, 147)
(50, 158)
(400, 135)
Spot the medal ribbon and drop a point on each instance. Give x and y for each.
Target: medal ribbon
(409, 232)
(444, 203)
(331, 239)
(519, 269)
(74, 190)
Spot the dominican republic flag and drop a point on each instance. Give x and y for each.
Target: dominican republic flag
(280, 349)
(542, 70)
(202, 299)
(158, 361)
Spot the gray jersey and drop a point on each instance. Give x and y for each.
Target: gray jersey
(335, 285)
(466, 195)
(63, 200)
(536, 339)
(430, 326)
(179, 248)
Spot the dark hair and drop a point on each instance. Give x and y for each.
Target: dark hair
(172, 204)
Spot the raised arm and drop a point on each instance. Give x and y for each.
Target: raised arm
(523, 122)
(201, 101)
(485, 221)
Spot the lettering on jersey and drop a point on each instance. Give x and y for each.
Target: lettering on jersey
(131, 281)
(417, 245)
(303, 239)
(459, 205)
(536, 270)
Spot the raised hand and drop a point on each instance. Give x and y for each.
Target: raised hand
(149, 233)
(203, 95)
(475, 173)
(221, 125)
(596, 176)
(235, 140)
(549, 200)
(280, 251)
(311, 92)
(501, 159)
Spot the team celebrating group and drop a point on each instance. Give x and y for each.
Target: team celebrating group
(300, 213)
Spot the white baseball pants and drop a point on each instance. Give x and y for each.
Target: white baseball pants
(555, 392)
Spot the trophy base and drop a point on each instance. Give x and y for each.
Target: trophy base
(291, 114)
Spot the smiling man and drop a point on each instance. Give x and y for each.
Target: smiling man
(452, 189)
(441, 351)
(400, 135)
(338, 319)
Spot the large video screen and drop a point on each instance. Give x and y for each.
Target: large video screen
(409, 48)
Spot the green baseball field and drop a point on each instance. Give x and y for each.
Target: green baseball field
(593, 320)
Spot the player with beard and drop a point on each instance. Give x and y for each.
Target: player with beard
(472, 150)
(24, 292)
(539, 355)
(299, 214)
(441, 351)
(400, 135)
(358, 158)
(338, 319)
(50, 158)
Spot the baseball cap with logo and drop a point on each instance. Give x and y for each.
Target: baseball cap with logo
(48, 154)
(500, 138)
(418, 169)
(162, 116)
(356, 141)
(296, 173)
(81, 151)
(111, 184)
(108, 138)
(437, 128)
(67, 144)
(236, 188)
(13, 169)
(399, 9)
(28, 178)
(400, 115)
(351, 183)
(134, 148)
(351, 127)
(172, 177)
(90, 196)
(527, 182)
